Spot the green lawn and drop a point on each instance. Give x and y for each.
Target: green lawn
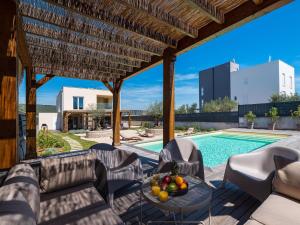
(84, 143)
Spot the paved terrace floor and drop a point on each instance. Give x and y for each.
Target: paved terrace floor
(230, 205)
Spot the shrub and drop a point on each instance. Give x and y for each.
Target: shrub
(220, 105)
(284, 98)
(48, 140)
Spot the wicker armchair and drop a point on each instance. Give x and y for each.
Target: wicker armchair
(253, 172)
(186, 154)
(115, 169)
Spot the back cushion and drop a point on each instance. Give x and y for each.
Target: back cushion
(287, 180)
(58, 173)
(25, 181)
(14, 208)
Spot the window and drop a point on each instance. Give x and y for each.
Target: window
(202, 91)
(291, 82)
(283, 79)
(77, 102)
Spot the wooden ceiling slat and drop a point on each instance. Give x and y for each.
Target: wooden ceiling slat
(88, 75)
(68, 67)
(59, 53)
(67, 36)
(40, 59)
(208, 9)
(67, 47)
(87, 9)
(238, 16)
(86, 27)
(160, 16)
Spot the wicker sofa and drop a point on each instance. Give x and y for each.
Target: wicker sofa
(55, 190)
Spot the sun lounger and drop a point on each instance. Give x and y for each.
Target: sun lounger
(145, 134)
(130, 136)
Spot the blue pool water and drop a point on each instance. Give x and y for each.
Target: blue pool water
(217, 148)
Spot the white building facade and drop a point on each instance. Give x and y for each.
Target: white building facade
(257, 84)
(74, 106)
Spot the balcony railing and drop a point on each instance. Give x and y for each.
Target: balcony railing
(104, 105)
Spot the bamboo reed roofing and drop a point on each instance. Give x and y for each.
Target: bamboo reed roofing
(114, 39)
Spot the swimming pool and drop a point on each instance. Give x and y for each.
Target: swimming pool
(218, 147)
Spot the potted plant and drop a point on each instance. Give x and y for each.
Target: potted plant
(296, 116)
(250, 117)
(273, 114)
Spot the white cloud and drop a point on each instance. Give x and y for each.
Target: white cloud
(189, 76)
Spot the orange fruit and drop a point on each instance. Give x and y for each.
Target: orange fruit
(163, 196)
(179, 180)
(183, 186)
(155, 190)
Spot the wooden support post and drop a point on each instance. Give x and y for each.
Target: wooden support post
(116, 112)
(30, 114)
(129, 120)
(168, 96)
(8, 86)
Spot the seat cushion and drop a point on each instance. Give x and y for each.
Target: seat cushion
(253, 222)
(278, 210)
(14, 208)
(25, 181)
(287, 180)
(76, 205)
(63, 172)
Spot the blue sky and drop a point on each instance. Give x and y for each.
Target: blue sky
(276, 34)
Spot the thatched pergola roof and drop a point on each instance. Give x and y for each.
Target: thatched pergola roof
(108, 40)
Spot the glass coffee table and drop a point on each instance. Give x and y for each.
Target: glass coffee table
(199, 197)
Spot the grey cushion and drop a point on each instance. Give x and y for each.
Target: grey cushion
(14, 209)
(25, 181)
(278, 210)
(287, 180)
(63, 172)
(76, 205)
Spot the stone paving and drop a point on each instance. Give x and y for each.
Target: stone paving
(75, 145)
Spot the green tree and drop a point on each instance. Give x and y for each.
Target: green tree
(192, 108)
(220, 105)
(296, 115)
(186, 108)
(274, 115)
(97, 114)
(181, 110)
(156, 111)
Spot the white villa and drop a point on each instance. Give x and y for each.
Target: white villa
(74, 107)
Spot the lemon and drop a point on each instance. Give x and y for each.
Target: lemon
(163, 196)
(155, 190)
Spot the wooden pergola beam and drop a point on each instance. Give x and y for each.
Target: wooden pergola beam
(168, 96)
(8, 86)
(88, 10)
(44, 80)
(22, 49)
(160, 16)
(109, 87)
(30, 114)
(233, 19)
(258, 2)
(116, 112)
(208, 9)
